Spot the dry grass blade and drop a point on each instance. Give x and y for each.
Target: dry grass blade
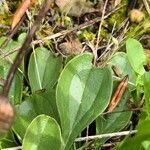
(99, 32)
(118, 94)
(147, 6)
(79, 27)
(20, 12)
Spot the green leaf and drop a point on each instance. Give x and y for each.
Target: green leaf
(136, 142)
(114, 122)
(146, 144)
(121, 61)
(12, 46)
(83, 92)
(44, 69)
(21, 38)
(43, 133)
(8, 141)
(38, 103)
(15, 93)
(146, 91)
(136, 55)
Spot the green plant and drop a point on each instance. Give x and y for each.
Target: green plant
(64, 100)
(137, 60)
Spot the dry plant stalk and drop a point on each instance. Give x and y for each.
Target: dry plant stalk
(118, 94)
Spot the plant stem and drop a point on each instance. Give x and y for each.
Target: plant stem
(13, 148)
(109, 135)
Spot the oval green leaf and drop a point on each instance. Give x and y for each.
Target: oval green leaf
(136, 56)
(38, 103)
(6, 59)
(43, 133)
(83, 92)
(44, 69)
(147, 92)
(121, 61)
